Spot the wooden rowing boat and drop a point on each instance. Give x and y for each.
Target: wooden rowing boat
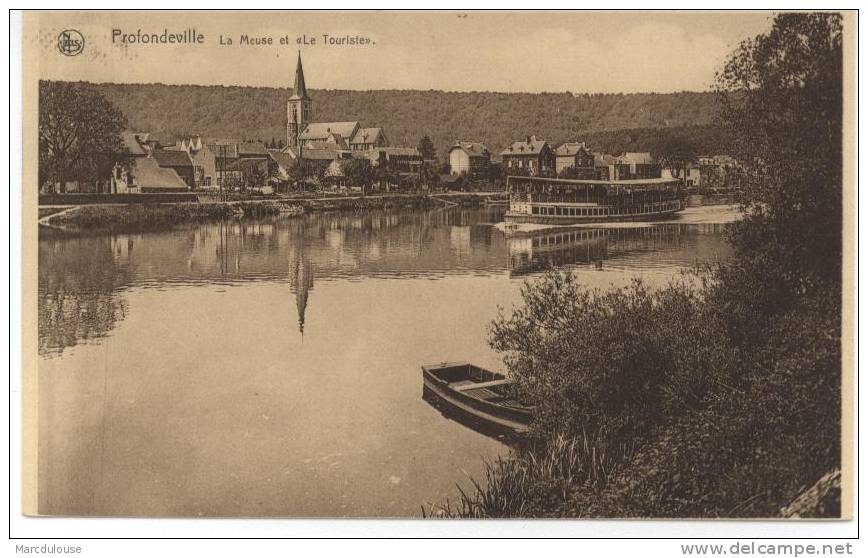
(483, 395)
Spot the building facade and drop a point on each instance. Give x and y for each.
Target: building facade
(533, 156)
(574, 155)
(469, 158)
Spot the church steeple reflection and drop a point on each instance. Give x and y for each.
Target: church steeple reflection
(300, 275)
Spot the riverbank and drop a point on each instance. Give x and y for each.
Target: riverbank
(148, 215)
(677, 402)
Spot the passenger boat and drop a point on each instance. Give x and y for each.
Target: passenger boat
(478, 393)
(557, 201)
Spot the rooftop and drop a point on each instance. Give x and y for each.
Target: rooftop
(166, 158)
(148, 174)
(472, 148)
(367, 135)
(252, 148)
(570, 149)
(531, 146)
(322, 130)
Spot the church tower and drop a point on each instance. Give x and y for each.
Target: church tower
(297, 107)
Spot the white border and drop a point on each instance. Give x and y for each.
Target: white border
(77, 528)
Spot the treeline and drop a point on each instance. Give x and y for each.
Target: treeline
(704, 140)
(611, 122)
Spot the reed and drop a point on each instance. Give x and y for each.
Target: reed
(535, 481)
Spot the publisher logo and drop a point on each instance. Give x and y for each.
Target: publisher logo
(70, 42)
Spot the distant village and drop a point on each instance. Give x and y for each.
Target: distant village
(347, 156)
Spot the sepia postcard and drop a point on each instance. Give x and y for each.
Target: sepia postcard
(438, 264)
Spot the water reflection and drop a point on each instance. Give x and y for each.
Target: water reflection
(300, 275)
(82, 279)
(203, 374)
(80, 284)
(467, 420)
(538, 251)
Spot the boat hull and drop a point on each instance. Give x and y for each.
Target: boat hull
(515, 217)
(490, 415)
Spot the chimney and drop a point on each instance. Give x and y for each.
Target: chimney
(529, 138)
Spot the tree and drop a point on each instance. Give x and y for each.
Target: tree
(385, 175)
(306, 171)
(358, 172)
(79, 133)
(254, 176)
(427, 149)
(676, 154)
(782, 97)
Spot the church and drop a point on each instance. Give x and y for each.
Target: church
(339, 138)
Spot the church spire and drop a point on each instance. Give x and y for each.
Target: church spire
(299, 91)
(298, 108)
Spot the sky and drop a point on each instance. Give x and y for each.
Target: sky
(581, 52)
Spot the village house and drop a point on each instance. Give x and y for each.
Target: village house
(367, 139)
(641, 165)
(607, 167)
(121, 177)
(214, 159)
(533, 155)
(333, 133)
(140, 172)
(574, 155)
(203, 155)
(178, 161)
(469, 158)
(149, 177)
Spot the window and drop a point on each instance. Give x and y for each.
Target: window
(207, 181)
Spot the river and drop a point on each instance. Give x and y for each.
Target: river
(272, 368)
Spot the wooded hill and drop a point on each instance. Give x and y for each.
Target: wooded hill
(609, 122)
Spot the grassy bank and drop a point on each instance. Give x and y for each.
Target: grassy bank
(154, 215)
(142, 215)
